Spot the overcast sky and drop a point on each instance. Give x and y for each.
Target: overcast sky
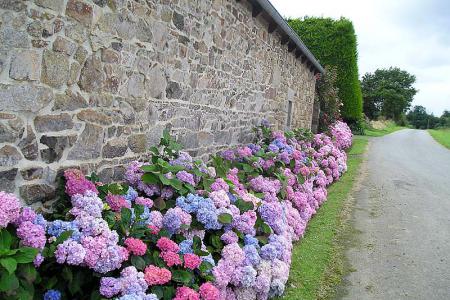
(413, 35)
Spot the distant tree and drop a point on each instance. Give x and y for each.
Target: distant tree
(444, 120)
(420, 119)
(388, 93)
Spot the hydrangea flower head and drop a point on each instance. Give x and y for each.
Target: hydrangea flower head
(9, 208)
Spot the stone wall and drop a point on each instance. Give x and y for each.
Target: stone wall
(94, 83)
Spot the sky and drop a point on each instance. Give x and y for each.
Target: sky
(413, 35)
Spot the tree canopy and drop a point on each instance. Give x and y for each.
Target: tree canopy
(388, 93)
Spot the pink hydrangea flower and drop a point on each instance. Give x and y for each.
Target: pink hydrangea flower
(185, 293)
(136, 246)
(9, 208)
(191, 261)
(144, 201)
(171, 258)
(156, 276)
(76, 183)
(209, 292)
(117, 202)
(166, 244)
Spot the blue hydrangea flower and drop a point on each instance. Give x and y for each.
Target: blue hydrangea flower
(269, 252)
(232, 197)
(190, 203)
(186, 247)
(57, 227)
(251, 240)
(52, 295)
(251, 255)
(171, 221)
(131, 194)
(248, 276)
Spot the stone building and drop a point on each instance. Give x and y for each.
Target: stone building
(92, 84)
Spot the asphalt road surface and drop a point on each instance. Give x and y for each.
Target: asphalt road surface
(402, 214)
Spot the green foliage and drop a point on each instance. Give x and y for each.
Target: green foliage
(333, 43)
(328, 94)
(17, 273)
(388, 93)
(420, 119)
(442, 136)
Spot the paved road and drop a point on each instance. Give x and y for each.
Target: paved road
(403, 215)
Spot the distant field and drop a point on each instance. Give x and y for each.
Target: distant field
(442, 136)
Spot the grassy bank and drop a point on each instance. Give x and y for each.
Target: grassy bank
(390, 128)
(442, 136)
(317, 260)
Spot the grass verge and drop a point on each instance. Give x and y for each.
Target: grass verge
(390, 128)
(442, 136)
(318, 259)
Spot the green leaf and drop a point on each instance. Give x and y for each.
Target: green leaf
(216, 242)
(159, 203)
(300, 179)
(63, 236)
(8, 282)
(196, 243)
(244, 205)
(28, 272)
(138, 262)
(164, 179)
(149, 168)
(25, 294)
(150, 178)
(181, 276)
(25, 255)
(125, 217)
(9, 264)
(67, 274)
(205, 266)
(5, 239)
(225, 218)
(247, 168)
(158, 291)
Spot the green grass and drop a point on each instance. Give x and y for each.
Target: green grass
(318, 259)
(442, 136)
(390, 128)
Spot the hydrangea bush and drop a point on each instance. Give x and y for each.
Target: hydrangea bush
(176, 228)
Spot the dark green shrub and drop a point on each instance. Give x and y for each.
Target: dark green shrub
(333, 43)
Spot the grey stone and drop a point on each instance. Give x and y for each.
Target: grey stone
(7, 180)
(156, 83)
(56, 5)
(28, 145)
(114, 148)
(12, 38)
(25, 65)
(32, 173)
(112, 174)
(37, 192)
(39, 43)
(76, 32)
(92, 116)
(101, 3)
(144, 31)
(137, 143)
(178, 20)
(9, 156)
(89, 143)
(80, 11)
(173, 90)
(92, 75)
(55, 69)
(35, 29)
(64, 46)
(75, 69)
(24, 97)
(56, 146)
(15, 5)
(12, 130)
(80, 55)
(136, 85)
(69, 101)
(46, 123)
(3, 58)
(110, 56)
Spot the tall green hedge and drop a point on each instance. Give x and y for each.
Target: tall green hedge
(333, 43)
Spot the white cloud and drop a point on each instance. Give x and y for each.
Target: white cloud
(411, 35)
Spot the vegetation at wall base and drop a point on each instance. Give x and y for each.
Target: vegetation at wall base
(442, 136)
(333, 43)
(318, 260)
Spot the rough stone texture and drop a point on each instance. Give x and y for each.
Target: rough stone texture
(46, 123)
(25, 65)
(93, 83)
